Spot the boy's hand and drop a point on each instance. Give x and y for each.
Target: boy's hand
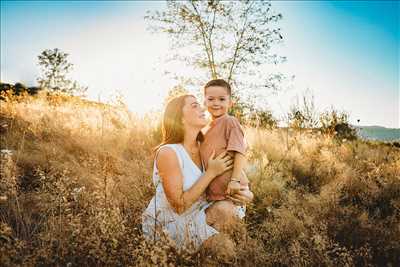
(244, 197)
(233, 187)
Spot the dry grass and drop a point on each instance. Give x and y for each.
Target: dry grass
(76, 176)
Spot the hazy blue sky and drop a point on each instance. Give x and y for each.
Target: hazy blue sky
(346, 52)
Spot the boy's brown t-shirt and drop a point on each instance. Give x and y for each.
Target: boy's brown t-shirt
(224, 134)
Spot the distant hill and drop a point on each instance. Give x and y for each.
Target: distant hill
(378, 133)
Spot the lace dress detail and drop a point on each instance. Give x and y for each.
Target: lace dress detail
(187, 229)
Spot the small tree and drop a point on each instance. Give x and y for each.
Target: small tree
(55, 68)
(303, 115)
(226, 39)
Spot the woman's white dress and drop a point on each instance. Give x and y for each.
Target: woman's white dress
(187, 229)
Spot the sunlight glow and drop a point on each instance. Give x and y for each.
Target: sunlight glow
(114, 53)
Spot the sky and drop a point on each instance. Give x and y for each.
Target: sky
(346, 53)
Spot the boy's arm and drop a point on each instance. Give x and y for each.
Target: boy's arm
(236, 147)
(238, 177)
(238, 168)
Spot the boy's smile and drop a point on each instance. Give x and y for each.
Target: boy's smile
(217, 100)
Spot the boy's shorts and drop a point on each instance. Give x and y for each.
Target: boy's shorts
(240, 211)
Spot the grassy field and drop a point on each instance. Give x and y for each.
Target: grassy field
(76, 177)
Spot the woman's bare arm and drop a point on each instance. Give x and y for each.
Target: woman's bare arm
(172, 179)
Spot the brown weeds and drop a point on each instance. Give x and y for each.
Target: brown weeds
(76, 176)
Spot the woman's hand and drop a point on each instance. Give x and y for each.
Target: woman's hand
(220, 164)
(245, 196)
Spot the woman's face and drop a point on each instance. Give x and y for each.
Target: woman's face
(193, 113)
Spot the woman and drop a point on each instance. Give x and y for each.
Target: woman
(178, 208)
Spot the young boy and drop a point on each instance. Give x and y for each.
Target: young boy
(223, 133)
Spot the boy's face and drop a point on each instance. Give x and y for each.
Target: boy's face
(217, 100)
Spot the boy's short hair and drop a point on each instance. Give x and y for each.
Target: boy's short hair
(219, 82)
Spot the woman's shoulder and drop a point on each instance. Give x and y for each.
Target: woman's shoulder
(166, 149)
(168, 153)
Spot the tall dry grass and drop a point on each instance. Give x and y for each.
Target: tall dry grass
(76, 176)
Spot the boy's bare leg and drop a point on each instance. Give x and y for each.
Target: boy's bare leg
(221, 215)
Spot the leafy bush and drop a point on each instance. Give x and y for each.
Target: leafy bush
(252, 116)
(336, 123)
